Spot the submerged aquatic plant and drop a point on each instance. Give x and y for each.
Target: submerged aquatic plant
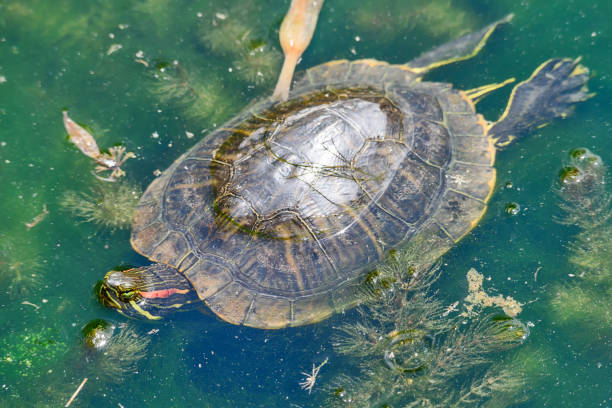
(585, 305)
(233, 36)
(108, 205)
(28, 351)
(411, 351)
(20, 267)
(115, 352)
(391, 18)
(259, 64)
(199, 96)
(228, 34)
(582, 190)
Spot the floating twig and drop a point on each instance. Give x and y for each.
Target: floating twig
(25, 302)
(450, 308)
(310, 379)
(535, 275)
(38, 218)
(76, 393)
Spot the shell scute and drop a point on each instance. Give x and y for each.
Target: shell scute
(146, 239)
(474, 150)
(464, 124)
(458, 213)
(432, 142)
(208, 277)
(187, 192)
(417, 102)
(330, 72)
(172, 249)
(236, 310)
(269, 312)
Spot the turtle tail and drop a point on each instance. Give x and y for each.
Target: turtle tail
(550, 92)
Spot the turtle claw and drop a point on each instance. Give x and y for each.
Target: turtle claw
(550, 92)
(567, 79)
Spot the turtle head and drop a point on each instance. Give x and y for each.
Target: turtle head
(149, 292)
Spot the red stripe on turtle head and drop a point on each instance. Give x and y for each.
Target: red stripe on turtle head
(164, 293)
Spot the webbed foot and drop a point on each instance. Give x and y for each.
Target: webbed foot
(550, 92)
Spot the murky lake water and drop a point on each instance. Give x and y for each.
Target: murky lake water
(99, 59)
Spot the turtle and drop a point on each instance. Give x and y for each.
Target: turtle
(276, 217)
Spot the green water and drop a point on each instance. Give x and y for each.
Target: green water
(55, 55)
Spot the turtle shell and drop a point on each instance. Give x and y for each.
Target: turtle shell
(276, 216)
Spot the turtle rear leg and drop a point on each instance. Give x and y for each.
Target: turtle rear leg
(460, 49)
(550, 92)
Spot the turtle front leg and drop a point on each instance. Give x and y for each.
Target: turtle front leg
(550, 92)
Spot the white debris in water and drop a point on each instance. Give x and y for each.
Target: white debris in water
(155, 135)
(114, 48)
(2, 79)
(220, 16)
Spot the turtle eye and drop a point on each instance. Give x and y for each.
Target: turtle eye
(127, 295)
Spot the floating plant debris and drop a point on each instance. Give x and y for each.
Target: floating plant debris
(110, 161)
(36, 220)
(478, 297)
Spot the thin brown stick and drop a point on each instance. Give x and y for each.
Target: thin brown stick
(76, 393)
(38, 218)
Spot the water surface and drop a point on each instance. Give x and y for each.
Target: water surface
(56, 55)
